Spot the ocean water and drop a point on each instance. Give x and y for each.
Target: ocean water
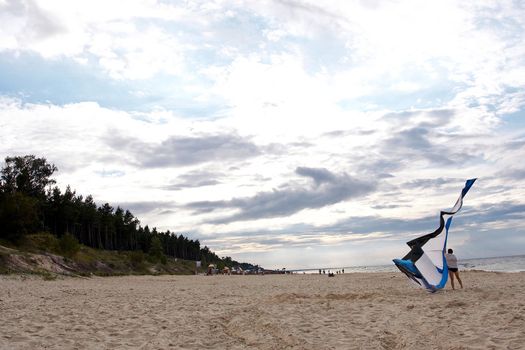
(497, 264)
(500, 264)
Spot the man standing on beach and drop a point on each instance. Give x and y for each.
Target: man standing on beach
(452, 263)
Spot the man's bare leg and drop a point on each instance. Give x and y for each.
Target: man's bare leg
(451, 275)
(459, 279)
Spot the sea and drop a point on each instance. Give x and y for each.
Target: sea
(514, 263)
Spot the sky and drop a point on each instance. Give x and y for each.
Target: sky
(286, 133)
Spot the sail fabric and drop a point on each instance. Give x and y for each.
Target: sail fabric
(425, 263)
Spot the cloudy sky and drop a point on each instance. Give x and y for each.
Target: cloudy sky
(289, 133)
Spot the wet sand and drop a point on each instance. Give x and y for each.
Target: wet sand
(350, 311)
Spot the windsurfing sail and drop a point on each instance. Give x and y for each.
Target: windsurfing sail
(425, 264)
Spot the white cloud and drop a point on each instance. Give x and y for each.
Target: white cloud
(374, 46)
(75, 137)
(391, 91)
(106, 29)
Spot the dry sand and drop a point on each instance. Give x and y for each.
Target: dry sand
(350, 311)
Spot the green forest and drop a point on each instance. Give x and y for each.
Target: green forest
(30, 202)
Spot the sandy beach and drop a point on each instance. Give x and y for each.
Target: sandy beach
(350, 311)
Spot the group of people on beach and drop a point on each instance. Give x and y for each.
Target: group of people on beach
(452, 263)
(330, 272)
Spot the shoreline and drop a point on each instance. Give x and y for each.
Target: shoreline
(464, 265)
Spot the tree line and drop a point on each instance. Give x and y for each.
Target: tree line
(29, 203)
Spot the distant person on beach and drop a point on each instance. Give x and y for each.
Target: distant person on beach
(452, 263)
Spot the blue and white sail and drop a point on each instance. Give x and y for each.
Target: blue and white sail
(425, 264)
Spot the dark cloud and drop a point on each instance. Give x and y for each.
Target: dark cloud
(167, 212)
(38, 23)
(336, 133)
(347, 133)
(328, 188)
(389, 206)
(182, 150)
(515, 144)
(349, 229)
(470, 216)
(414, 138)
(379, 165)
(512, 174)
(319, 175)
(417, 136)
(138, 208)
(471, 221)
(432, 118)
(516, 171)
(197, 178)
(401, 115)
(280, 149)
(302, 144)
(494, 212)
(441, 116)
(365, 132)
(417, 143)
(432, 183)
(191, 184)
(373, 224)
